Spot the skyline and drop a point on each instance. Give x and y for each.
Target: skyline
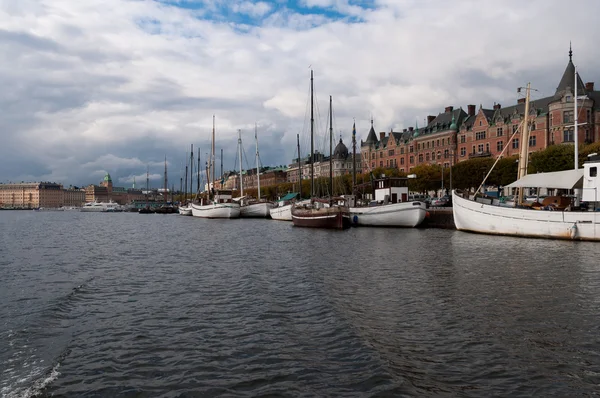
(113, 86)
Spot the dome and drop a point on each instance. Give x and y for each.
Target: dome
(340, 152)
(453, 125)
(107, 178)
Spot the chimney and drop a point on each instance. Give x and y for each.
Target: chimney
(498, 106)
(410, 129)
(471, 110)
(381, 135)
(589, 86)
(430, 119)
(521, 101)
(449, 109)
(404, 130)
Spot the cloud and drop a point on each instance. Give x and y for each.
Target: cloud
(115, 85)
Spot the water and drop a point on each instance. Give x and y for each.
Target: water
(162, 305)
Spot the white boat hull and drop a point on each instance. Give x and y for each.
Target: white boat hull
(282, 213)
(185, 211)
(496, 220)
(261, 209)
(406, 214)
(216, 210)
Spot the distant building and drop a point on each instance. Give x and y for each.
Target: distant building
(31, 195)
(105, 192)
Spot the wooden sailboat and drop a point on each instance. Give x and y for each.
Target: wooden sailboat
(219, 203)
(320, 212)
(254, 207)
(484, 215)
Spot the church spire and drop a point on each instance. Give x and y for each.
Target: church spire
(570, 53)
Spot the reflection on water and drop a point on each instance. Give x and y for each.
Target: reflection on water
(129, 304)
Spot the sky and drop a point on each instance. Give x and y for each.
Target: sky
(96, 86)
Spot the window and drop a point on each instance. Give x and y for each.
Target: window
(568, 135)
(373, 155)
(515, 143)
(391, 152)
(532, 140)
(533, 126)
(480, 122)
(588, 136)
(568, 117)
(443, 140)
(402, 151)
(515, 127)
(499, 132)
(499, 146)
(411, 149)
(427, 144)
(480, 148)
(446, 153)
(381, 163)
(372, 165)
(480, 135)
(446, 165)
(401, 160)
(589, 115)
(593, 171)
(380, 154)
(420, 157)
(463, 151)
(487, 147)
(419, 146)
(427, 157)
(387, 163)
(438, 143)
(463, 139)
(473, 148)
(412, 160)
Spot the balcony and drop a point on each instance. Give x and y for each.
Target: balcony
(484, 154)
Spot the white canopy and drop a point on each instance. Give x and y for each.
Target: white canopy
(568, 179)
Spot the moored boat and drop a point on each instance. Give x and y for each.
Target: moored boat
(221, 206)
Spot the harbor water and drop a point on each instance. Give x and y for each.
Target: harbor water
(123, 304)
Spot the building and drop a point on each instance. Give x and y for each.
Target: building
(74, 197)
(106, 192)
(456, 135)
(341, 162)
(31, 195)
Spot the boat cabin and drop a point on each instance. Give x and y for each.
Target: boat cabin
(391, 189)
(591, 182)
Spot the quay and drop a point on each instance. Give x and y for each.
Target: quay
(438, 217)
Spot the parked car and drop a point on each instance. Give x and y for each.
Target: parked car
(440, 202)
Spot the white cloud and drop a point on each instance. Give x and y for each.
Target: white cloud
(116, 84)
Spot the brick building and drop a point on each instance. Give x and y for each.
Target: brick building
(31, 195)
(455, 135)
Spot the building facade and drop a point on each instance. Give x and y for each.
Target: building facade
(31, 195)
(106, 192)
(455, 135)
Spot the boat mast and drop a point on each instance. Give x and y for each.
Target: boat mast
(222, 166)
(299, 168)
(257, 158)
(147, 183)
(523, 157)
(213, 153)
(192, 170)
(576, 133)
(330, 146)
(240, 152)
(165, 193)
(198, 177)
(312, 144)
(353, 156)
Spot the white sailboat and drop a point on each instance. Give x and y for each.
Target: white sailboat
(220, 204)
(282, 210)
(391, 207)
(185, 209)
(565, 221)
(252, 207)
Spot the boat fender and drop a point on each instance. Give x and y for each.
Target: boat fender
(573, 231)
(427, 215)
(355, 219)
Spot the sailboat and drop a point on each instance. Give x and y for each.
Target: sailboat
(282, 210)
(147, 209)
(558, 218)
(186, 208)
(320, 212)
(253, 207)
(218, 203)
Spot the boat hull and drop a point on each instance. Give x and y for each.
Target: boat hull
(327, 217)
(406, 214)
(260, 210)
(282, 213)
(216, 210)
(185, 211)
(496, 220)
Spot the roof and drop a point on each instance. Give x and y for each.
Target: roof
(289, 196)
(567, 179)
(372, 137)
(567, 82)
(341, 151)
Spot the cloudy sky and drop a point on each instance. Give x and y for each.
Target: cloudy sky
(93, 86)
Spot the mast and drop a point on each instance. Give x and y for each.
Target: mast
(299, 168)
(185, 185)
(198, 177)
(240, 152)
(330, 146)
(222, 165)
(523, 157)
(353, 156)
(192, 171)
(257, 166)
(576, 133)
(212, 156)
(147, 183)
(165, 193)
(312, 144)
